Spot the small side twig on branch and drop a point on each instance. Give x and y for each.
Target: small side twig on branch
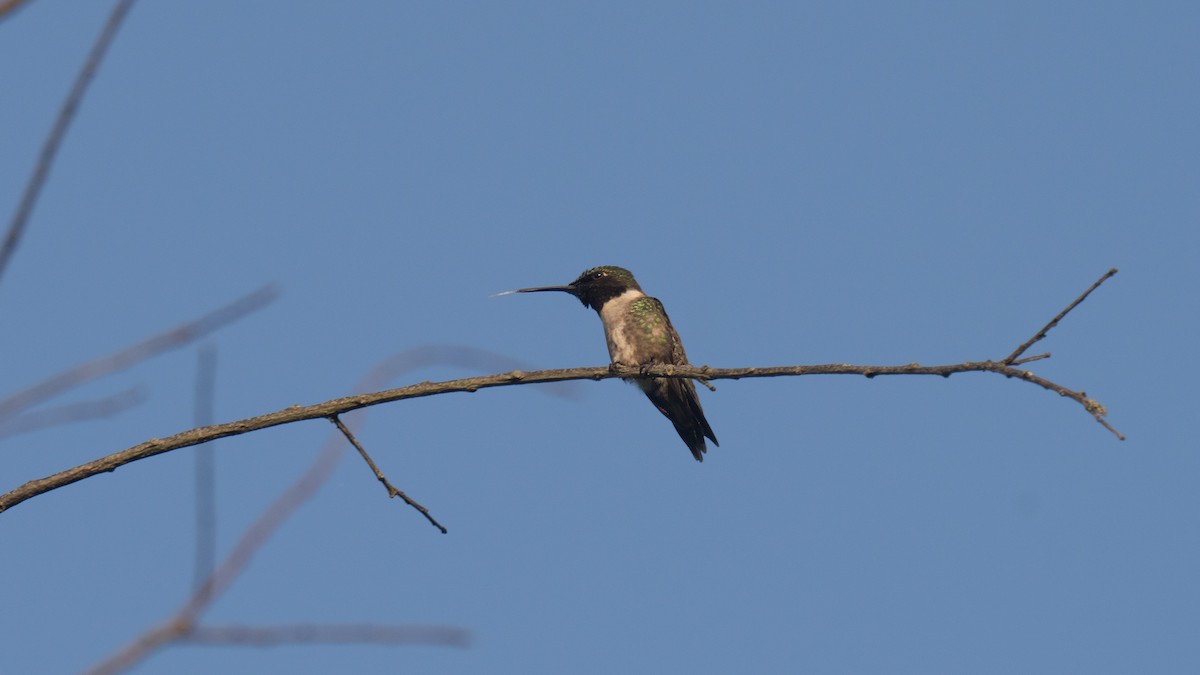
(1012, 358)
(393, 491)
(340, 406)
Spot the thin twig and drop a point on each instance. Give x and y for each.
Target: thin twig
(1030, 359)
(393, 491)
(171, 339)
(66, 113)
(1054, 322)
(1093, 406)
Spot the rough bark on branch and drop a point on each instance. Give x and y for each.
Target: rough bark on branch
(339, 406)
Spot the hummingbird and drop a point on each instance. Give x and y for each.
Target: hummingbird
(639, 333)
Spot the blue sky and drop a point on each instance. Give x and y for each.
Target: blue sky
(799, 183)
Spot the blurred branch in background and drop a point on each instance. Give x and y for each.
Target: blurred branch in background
(7, 7)
(273, 636)
(16, 227)
(172, 339)
(182, 627)
(80, 411)
(206, 465)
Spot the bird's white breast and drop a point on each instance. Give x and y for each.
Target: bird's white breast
(615, 315)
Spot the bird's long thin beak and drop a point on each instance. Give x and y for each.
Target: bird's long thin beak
(564, 289)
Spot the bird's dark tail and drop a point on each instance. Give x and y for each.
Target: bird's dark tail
(676, 398)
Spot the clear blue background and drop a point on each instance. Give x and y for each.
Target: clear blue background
(800, 183)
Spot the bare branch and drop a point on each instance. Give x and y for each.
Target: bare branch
(153, 346)
(1054, 322)
(392, 490)
(340, 406)
(41, 170)
(471, 384)
(270, 636)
